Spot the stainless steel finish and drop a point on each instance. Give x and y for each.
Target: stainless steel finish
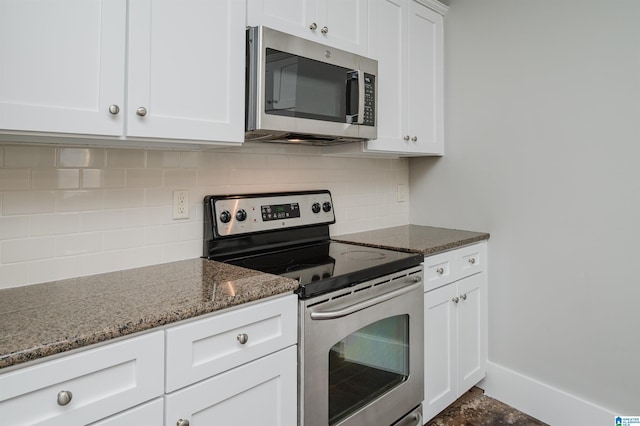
(182, 422)
(343, 312)
(456, 299)
(64, 397)
(242, 338)
(472, 260)
(261, 126)
(440, 271)
(114, 109)
(313, 26)
(324, 30)
(364, 301)
(141, 111)
(414, 139)
(253, 206)
(406, 138)
(463, 296)
(414, 418)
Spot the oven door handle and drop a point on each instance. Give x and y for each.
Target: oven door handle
(339, 313)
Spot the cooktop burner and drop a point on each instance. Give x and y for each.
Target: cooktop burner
(288, 235)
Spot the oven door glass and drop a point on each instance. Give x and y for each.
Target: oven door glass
(299, 87)
(367, 364)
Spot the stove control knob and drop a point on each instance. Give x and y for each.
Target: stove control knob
(241, 215)
(315, 208)
(225, 216)
(326, 206)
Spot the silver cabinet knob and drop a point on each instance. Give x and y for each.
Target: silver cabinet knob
(463, 296)
(142, 111)
(455, 300)
(406, 138)
(182, 422)
(414, 139)
(242, 338)
(114, 109)
(440, 271)
(64, 397)
(313, 26)
(472, 260)
(324, 30)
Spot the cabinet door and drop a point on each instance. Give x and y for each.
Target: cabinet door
(390, 35)
(440, 350)
(186, 70)
(346, 23)
(262, 392)
(472, 356)
(151, 413)
(290, 16)
(63, 65)
(425, 69)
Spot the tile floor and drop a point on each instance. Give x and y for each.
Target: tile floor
(474, 408)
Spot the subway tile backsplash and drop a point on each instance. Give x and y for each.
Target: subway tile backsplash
(74, 211)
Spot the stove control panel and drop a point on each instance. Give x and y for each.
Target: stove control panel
(243, 214)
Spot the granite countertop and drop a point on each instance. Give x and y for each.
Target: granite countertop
(427, 240)
(46, 319)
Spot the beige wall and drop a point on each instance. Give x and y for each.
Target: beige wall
(73, 211)
(542, 150)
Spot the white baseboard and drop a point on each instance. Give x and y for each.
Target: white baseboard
(545, 403)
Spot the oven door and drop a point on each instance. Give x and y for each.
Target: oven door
(361, 358)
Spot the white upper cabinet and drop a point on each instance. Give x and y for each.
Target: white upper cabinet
(409, 42)
(62, 66)
(338, 23)
(407, 39)
(186, 69)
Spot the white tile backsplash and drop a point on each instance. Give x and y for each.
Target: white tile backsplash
(73, 211)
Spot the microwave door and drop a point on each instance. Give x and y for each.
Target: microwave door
(355, 97)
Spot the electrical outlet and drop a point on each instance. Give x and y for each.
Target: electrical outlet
(180, 205)
(402, 193)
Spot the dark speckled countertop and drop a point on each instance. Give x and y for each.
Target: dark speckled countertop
(427, 240)
(46, 319)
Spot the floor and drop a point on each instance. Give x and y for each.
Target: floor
(474, 408)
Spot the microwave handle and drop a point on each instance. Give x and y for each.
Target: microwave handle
(358, 118)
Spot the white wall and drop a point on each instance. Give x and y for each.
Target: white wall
(543, 151)
(74, 211)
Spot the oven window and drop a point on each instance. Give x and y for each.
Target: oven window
(300, 87)
(367, 364)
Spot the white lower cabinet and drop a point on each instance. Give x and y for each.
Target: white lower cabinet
(86, 386)
(455, 333)
(262, 392)
(220, 366)
(237, 367)
(151, 413)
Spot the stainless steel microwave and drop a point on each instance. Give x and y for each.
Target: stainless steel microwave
(299, 91)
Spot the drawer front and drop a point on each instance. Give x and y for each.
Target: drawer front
(472, 259)
(206, 347)
(450, 266)
(102, 381)
(262, 392)
(439, 270)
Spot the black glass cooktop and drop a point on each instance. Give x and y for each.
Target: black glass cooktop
(327, 266)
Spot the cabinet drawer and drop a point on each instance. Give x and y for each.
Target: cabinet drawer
(203, 348)
(102, 381)
(447, 267)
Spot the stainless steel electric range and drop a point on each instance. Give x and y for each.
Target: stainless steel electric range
(360, 308)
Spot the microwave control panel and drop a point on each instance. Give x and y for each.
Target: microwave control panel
(369, 100)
